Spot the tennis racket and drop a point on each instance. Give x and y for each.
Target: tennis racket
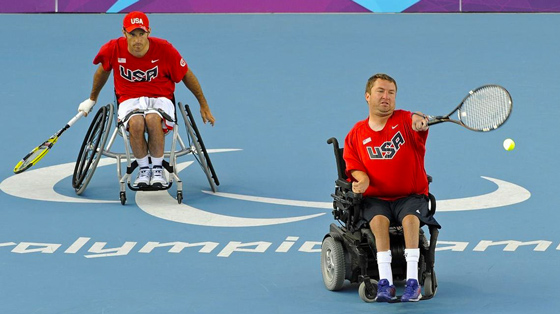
(40, 151)
(483, 109)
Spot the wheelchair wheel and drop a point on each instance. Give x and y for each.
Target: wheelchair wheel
(430, 285)
(332, 264)
(179, 197)
(368, 295)
(201, 155)
(122, 197)
(91, 149)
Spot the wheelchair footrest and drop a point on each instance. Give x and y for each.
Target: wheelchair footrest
(165, 164)
(149, 187)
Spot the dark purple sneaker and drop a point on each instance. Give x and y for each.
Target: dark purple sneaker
(412, 291)
(385, 292)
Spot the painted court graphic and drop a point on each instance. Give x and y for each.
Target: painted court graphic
(162, 205)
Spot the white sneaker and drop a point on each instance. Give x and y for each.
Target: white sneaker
(158, 178)
(143, 178)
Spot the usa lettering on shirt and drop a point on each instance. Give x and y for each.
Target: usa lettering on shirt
(138, 75)
(388, 149)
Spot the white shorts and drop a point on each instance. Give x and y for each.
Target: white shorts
(147, 105)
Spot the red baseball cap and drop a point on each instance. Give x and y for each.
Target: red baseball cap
(134, 20)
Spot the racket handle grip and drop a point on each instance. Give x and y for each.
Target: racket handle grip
(434, 120)
(76, 118)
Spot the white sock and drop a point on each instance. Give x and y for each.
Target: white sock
(412, 256)
(384, 265)
(157, 161)
(143, 162)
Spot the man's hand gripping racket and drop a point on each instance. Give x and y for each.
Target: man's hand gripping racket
(483, 109)
(40, 151)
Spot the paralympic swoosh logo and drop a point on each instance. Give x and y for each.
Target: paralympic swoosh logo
(39, 185)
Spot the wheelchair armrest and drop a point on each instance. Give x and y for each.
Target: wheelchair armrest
(432, 204)
(344, 197)
(347, 188)
(345, 185)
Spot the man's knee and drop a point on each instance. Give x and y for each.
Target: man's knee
(379, 222)
(136, 125)
(153, 120)
(411, 221)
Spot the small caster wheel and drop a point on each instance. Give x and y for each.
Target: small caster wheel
(368, 294)
(179, 197)
(123, 198)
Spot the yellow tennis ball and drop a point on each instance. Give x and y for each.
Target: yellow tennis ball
(509, 144)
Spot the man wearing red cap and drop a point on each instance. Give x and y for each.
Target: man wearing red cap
(146, 70)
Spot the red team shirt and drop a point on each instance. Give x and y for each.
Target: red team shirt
(393, 158)
(153, 75)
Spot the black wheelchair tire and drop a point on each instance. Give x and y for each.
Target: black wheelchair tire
(90, 151)
(332, 264)
(430, 285)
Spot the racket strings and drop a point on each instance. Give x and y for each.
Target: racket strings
(486, 108)
(35, 155)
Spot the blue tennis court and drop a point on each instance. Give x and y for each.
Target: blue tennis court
(279, 86)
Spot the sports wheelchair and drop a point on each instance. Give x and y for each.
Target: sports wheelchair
(348, 251)
(95, 145)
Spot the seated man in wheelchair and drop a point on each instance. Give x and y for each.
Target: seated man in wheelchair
(146, 70)
(384, 158)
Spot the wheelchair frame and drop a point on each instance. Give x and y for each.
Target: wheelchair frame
(348, 251)
(95, 145)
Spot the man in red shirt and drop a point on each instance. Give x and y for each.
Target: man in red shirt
(146, 70)
(384, 157)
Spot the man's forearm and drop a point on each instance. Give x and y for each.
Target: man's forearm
(191, 82)
(99, 79)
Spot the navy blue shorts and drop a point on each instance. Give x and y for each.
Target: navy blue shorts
(396, 210)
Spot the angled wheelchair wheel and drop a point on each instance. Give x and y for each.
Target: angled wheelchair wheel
(201, 155)
(91, 149)
(368, 292)
(332, 264)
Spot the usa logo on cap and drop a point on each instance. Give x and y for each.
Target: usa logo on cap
(134, 20)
